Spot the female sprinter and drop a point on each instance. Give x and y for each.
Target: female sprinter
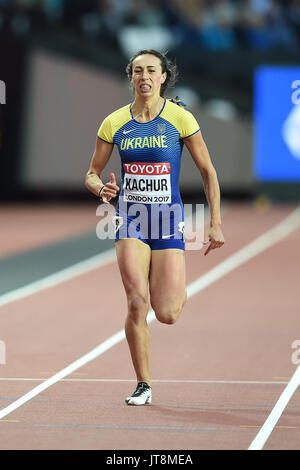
(149, 134)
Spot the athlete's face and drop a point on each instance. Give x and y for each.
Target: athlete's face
(147, 76)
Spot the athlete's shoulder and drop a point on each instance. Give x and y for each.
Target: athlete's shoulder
(113, 122)
(181, 118)
(175, 107)
(176, 111)
(177, 103)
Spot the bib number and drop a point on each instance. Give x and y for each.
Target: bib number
(148, 183)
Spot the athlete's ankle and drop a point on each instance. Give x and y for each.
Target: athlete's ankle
(146, 381)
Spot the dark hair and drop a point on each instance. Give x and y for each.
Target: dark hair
(166, 66)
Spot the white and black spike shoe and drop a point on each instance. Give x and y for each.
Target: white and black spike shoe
(141, 396)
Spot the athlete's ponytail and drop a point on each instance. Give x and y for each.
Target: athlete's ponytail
(166, 66)
(178, 101)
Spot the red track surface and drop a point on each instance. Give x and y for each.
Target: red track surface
(239, 329)
(26, 227)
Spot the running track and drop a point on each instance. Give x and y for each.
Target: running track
(222, 376)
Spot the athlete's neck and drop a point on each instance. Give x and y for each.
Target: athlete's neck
(146, 109)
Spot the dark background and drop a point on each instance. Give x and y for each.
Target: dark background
(217, 44)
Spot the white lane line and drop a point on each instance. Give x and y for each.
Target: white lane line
(127, 427)
(266, 240)
(94, 262)
(265, 431)
(167, 381)
(96, 352)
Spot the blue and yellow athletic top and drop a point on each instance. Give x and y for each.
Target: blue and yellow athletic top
(150, 152)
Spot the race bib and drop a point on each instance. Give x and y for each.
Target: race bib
(148, 183)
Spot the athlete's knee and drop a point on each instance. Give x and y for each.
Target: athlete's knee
(168, 315)
(137, 307)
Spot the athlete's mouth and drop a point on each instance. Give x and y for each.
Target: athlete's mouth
(145, 87)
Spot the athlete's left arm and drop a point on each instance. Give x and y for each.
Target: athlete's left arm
(198, 150)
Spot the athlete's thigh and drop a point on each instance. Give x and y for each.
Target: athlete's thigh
(134, 259)
(167, 279)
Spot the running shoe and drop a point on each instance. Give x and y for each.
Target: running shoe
(141, 396)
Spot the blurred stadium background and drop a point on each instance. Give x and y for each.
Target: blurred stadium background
(62, 70)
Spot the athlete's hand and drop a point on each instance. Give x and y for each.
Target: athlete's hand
(215, 238)
(110, 190)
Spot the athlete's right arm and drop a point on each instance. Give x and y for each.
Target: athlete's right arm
(93, 181)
